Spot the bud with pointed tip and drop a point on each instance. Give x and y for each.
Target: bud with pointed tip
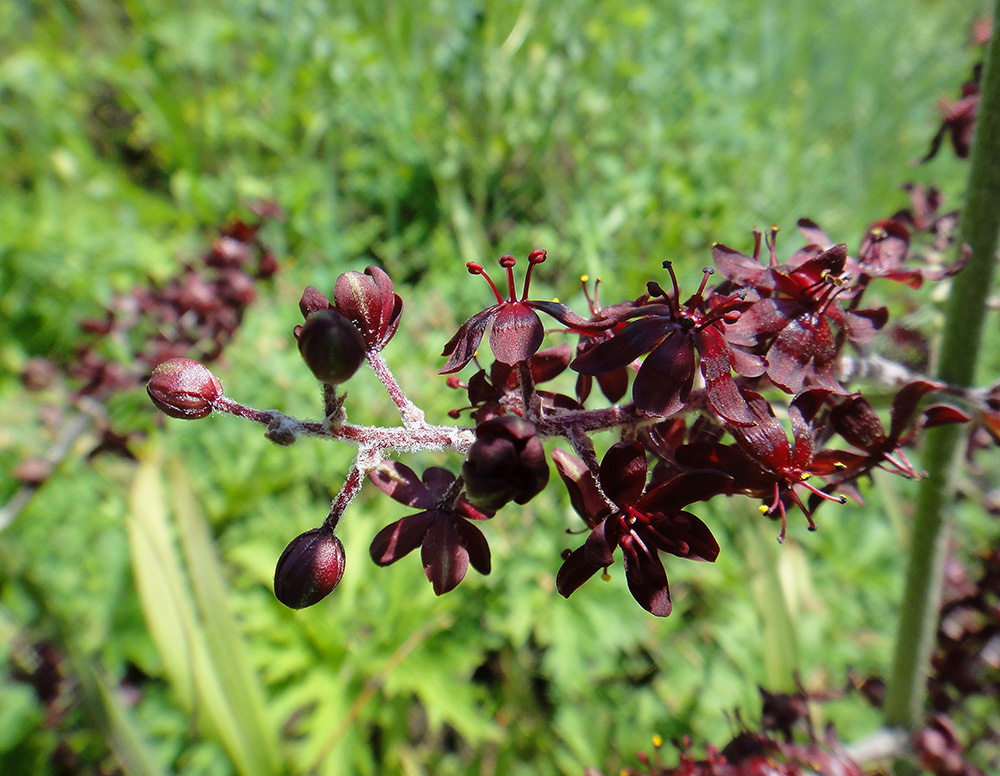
(309, 569)
(505, 463)
(368, 300)
(183, 388)
(331, 346)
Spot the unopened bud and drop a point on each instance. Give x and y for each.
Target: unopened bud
(309, 569)
(331, 346)
(505, 463)
(183, 388)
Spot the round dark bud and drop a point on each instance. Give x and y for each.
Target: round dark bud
(183, 388)
(505, 463)
(309, 569)
(331, 346)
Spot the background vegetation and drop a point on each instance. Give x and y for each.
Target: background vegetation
(417, 137)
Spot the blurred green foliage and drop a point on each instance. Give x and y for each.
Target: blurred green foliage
(417, 136)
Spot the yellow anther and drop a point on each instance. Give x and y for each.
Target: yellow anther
(606, 576)
(764, 509)
(584, 278)
(657, 741)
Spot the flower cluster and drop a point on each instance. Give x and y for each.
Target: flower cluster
(704, 388)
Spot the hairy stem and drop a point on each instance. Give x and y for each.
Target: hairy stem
(960, 345)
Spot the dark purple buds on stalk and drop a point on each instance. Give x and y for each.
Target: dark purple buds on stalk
(367, 299)
(506, 463)
(309, 569)
(331, 346)
(183, 388)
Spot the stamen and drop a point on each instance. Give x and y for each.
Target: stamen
(709, 271)
(825, 496)
(535, 257)
(477, 269)
(756, 244)
(508, 262)
(772, 240)
(675, 302)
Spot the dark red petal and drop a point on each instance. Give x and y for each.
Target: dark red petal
(400, 538)
(476, 545)
(549, 363)
(716, 366)
(609, 316)
(574, 571)
(941, 414)
(665, 377)
(671, 496)
(445, 559)
(802, 434)
(814, 234)
(600, 547)
(767, 440)
(437, 480)
(765, 318)
(647, 580)
(904, 404)
(623, 473)
(516, 333)
(462, 347)
(614, 384)
(583, 492)
(623, 348)
(790, 353)
(686, 536)
(740, 268)
(400, 482)
(312, 301)
(861, 326)
(857, 422)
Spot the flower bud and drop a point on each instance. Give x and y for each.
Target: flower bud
(368, 300)
(183, 388)
(331, 346)
(309, 569)
(505, 463)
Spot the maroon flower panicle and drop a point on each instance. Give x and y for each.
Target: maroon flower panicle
(449, 541)
(311, 566)
(643, 523)
(516, 331)
(183, 388)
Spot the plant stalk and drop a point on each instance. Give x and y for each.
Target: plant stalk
(960, 345)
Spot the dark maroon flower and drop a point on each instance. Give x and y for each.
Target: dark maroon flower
(516, 331)
(763, 464)
(506, 463)
(311, 566)
(369, 301)
(672, 336)
(331, 346)
(449, 541)
(183, 388)
(643, 523)
(613, 383)
(959, 120)
(790, 322)
(857, 422)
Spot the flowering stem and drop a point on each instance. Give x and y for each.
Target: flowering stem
(960, 345)
(412, 415)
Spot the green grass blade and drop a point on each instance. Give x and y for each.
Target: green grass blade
(258, 752)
